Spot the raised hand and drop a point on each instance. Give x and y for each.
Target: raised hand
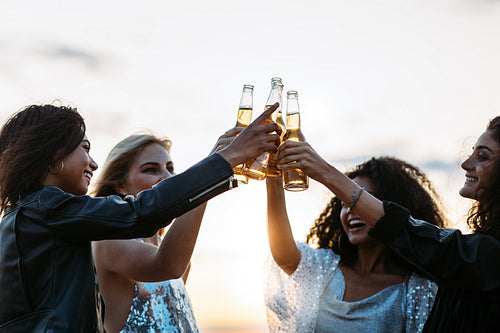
(257, 138)
(226, 138)
(301, 155)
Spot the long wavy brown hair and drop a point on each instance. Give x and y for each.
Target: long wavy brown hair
(31, 141)
(394, 180)
(484, 216)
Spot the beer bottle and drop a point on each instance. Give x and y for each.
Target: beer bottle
(294, 179)
(257, 168)
(244, 119)
(272, 169)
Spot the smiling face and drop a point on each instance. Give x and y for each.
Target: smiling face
(75, 172)
(149, 167)
(354, 227)
(480, 167)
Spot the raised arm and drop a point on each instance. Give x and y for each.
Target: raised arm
(281, 242)
(369, 208)
(444, 254)
(140, 261)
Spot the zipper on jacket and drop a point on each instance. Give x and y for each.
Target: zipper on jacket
(231, 186)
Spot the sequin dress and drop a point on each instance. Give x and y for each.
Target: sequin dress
(293, 301)
(160, 307)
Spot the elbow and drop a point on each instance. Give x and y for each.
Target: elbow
(173, 271)
(288, 261)
(288, 265)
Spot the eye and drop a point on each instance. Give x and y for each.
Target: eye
(482, 157)
(170, 169)
(150, 170)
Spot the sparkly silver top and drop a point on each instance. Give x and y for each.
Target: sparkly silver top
(293, 301)
(379, 313)
(160, 307)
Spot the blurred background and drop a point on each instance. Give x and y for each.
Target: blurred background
(414, 79)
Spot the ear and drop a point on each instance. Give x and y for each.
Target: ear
(120, 189)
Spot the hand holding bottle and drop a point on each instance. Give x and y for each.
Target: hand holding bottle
(300, 155)
(225, 139)
(252, 141)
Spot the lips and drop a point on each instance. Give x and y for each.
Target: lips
(356, 223)
(471, 179)
(88, 175)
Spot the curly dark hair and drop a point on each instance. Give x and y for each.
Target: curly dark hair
(484, 215)
(31, 141)
(394, 180)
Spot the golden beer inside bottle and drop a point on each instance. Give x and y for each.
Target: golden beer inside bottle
(272, 169)
(257, 168)
(244, 117)
(295, 179)
(238, 174)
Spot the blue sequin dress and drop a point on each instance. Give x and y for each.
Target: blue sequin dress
(160, 307)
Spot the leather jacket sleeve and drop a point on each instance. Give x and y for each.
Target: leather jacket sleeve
(87, 218)
(447, 256)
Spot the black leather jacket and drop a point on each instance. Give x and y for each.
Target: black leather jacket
(466, 268)
(47, 276)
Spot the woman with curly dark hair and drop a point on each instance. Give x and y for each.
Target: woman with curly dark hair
(345, 283)
(465, 266)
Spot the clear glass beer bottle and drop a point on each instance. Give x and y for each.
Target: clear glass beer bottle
(243, 120)
(294, 179)
(272, 169)
(257, 168)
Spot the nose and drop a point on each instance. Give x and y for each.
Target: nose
(466, 165)
(93, 164)
(165, 174)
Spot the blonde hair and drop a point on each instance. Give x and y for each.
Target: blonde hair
(114, 172)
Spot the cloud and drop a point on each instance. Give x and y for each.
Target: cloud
(68, 53)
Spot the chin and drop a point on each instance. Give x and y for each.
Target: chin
(358, 241)
(467, 193)
(82, 191)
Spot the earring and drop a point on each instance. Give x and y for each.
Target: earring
(59, 171)
(339, 241)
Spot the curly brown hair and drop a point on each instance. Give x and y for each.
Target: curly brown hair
(484, 215)
(32, 140)
(394, 180)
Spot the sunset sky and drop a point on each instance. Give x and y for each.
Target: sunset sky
(414, 79)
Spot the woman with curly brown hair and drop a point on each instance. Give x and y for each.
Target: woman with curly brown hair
(465, 266)
(350, 282)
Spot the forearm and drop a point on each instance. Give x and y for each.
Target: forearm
(85, 218)
(369, 208)
(175, 251)
(301, 155)
(446, 255)
(280, 236)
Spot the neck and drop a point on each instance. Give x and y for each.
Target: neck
(375, 259)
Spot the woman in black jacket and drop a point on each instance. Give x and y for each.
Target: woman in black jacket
(466, 267)
(47, 276)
